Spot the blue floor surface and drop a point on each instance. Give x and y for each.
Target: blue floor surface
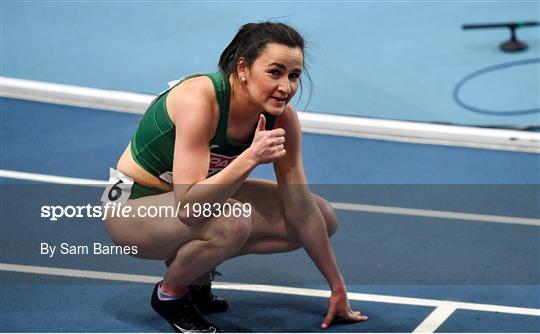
(446, 259)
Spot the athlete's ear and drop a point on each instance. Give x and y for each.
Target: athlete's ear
(242, 69)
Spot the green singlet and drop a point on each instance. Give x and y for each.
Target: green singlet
(152, 145)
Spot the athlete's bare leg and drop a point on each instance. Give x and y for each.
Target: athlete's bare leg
(192, 251)
(269, 232)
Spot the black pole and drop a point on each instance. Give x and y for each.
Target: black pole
(512, 45)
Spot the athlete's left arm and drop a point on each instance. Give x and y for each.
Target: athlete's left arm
(303, 215)
(301, 211)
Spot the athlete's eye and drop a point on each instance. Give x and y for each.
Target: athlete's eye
(295, 76)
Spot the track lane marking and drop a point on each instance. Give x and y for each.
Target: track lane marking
(313, 122)
(435, 319)
(132, 278)
(11, 174)
(436, 214)
(336, 205)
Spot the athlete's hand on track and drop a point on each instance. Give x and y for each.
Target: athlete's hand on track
(339, 310)
(267, 146)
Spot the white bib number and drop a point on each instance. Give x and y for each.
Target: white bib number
(119, 188)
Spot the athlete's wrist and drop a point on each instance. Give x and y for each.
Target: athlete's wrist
(250, 158)
(338, 286)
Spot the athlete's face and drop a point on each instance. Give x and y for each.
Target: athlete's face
(274, 77)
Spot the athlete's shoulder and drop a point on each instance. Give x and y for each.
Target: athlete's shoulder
(199, 87)
(195, 93)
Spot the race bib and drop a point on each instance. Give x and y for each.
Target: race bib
(119, 188)
(167, 177)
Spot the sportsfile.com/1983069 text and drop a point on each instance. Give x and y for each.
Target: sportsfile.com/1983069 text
(111, 210)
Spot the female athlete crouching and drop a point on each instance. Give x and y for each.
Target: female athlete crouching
(198, 143)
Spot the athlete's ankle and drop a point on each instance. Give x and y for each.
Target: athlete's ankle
(177, 291)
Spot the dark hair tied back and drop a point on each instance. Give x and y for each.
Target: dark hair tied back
(252, 38)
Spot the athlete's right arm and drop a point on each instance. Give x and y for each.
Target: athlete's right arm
(195, 121)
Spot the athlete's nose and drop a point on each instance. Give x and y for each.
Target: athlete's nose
(285, 86)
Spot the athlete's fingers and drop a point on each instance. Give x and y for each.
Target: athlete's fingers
(279, 132)
(328, 319)
(349, 317)
(355, 316)
(358, 317)
(279, 140)
(281, 154)
(262, 123)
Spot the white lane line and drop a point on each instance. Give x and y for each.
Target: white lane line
(9, 174)
(436, 214)
(270, 289)
(77, 96)
(108, 276)
(350, 126)
(336, 205)
(435, 319)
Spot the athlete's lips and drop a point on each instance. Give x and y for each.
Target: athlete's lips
(280, 99)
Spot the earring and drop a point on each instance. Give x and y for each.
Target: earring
(243, 79)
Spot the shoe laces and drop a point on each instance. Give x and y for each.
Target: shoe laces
(213, 273)
(206, 279)
(192, 317)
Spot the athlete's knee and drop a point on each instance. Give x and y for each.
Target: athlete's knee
(329, 215)
(239, 229)
(234, 230)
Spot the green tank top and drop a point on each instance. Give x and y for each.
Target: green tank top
(152, 145)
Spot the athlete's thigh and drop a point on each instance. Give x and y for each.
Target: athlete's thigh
(267, 218)
(152, 226)
(159, 236)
